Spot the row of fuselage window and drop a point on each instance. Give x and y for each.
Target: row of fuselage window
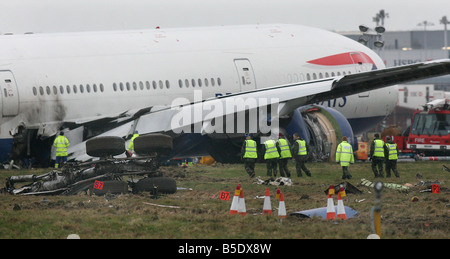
(125, 86)
(314, 76)
(155, 85)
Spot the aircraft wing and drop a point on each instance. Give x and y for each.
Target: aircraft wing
(375, 79)
(222, 114)
(286, 97)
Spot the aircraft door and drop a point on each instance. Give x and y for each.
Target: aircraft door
(358, 60)
(245, 72)
(9, 94)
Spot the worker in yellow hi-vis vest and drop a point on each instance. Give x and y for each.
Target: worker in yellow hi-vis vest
(391, 154)
(300, 152)
(249, 153)
(285, 156)
(345, 157)
(131, 144)
(377, 150)
(271, 155)
(61, 144)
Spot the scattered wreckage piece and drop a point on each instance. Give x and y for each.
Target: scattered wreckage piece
(280, 181)
(427, 183)
(427, 186)
(162, 206)
(75, 177)
(322, 212)
(348, 188)
(394, 186)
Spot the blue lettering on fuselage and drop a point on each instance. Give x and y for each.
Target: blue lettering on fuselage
(333, 103)
(220, 94)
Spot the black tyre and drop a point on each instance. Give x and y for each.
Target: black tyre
(162, 185)
(105, 146)
(149, 144)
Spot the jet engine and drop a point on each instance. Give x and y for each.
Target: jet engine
(323, 128)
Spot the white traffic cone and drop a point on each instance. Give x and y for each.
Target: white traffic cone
(331, 213)
(241, 206)
(282, 207)
(267, 209)
(235, 202)
(340, 207)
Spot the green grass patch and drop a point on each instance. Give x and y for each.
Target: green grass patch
(201, 214)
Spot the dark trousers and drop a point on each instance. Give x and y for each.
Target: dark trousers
(391, 164)
(272, 167)
(345, 173)
(300, 162)
(60, 160)
(377, 166)
(249, 164)
(283, 165)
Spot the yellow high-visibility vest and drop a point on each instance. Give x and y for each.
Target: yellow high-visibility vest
(271, 149)
(344, 154)
(378, 148)
(61, 143)
(392, 151)
(131, 145)
(250, 149)
(285, 152)
(301, 147)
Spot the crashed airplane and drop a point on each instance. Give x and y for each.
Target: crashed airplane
(205, 87)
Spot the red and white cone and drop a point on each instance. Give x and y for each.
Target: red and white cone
(331, 213)
(241, 206)
(282, 207)
(235, 202)
(267, 209)
(340, 208)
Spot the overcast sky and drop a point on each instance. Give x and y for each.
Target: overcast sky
(19, 16)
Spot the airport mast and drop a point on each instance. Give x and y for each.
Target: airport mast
(374, 37)
(425, 24)
(445, 21)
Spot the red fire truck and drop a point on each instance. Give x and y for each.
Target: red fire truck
(429, 133)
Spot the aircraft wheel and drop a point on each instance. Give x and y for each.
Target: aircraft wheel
(163, 185)
(149, 144)
(105, 146)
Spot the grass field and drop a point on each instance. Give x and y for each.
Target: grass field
(200, 214)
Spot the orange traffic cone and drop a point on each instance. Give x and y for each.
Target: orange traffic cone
(241, 206)
(277, 196)
(235, 202)
(331, 190)
(340, 208)
(267, 209)
(282, 207)
(331, 213)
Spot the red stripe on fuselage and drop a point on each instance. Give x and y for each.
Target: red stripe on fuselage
(348, 58)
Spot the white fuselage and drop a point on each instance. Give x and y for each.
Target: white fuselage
(50, 78)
